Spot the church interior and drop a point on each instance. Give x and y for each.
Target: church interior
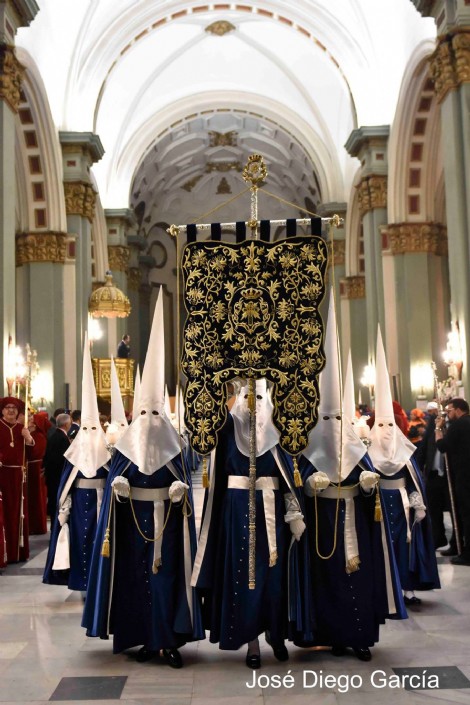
(121, 118)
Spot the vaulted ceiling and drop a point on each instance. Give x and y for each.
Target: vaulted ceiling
(181, 92)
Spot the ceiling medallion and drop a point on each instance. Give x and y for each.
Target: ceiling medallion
(223, 139)
(220, 28)
(223, 166)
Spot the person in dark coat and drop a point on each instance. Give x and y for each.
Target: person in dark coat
(54, 460)
(124, 349)
(456, 443)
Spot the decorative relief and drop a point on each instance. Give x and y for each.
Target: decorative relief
(223, 139)
(11, 76)
(450, 63)
(118, 257)
(339, 250)
(134, 278)
(223, 166)
(224, 186)
(80, 199)
(41, 247)
(353, 287)
(189, 185)
(430, 238)
(220, 28)
(372, 193)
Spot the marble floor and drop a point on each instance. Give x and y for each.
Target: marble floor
(45, 656)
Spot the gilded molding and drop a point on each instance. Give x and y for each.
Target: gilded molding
(223, 139)
(339, 247)
(118, 257)
(41, 247)
(430, 238)
(80, 199)
(372, 193)
(220, 27)
(134, 278)
(353, 287)
(450, 63)
(11, 76)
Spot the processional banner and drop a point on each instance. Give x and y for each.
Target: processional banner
(252, 311)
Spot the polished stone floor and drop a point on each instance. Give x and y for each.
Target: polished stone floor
(45, 656)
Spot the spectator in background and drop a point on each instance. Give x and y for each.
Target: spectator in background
(456, 444)
(52, 419)
(75, 427)
(124, 349)
(38, 426)
(54, 460)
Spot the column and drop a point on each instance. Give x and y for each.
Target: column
(80, 150)
(369, 144)
(12, 16)
(336, 239)
(353, 308)
(450, 70)
(137, 244)
(120, 223)
(41, 257)
(418, 280)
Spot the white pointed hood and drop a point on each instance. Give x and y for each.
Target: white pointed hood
(178, 420)
(151, 441)
(349, 404)
(390, 449)
(135, 403)
(118, 424)
(167, 403)
(88, 451)
(267, 435)
(333, 436)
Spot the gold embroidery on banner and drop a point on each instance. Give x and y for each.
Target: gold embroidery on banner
(253, 311)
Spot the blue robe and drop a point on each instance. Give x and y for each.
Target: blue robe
(350, 608)
(233, 613)
(125, 598)
(82, 526)
(416, 561)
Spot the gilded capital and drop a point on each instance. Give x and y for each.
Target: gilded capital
(118, 257)
(338, 248)
(134, 278)
(41, 247)
(429, 238)
(450, 62)
(353, 287)
(80, 199)
(11, 76)
(372, 193)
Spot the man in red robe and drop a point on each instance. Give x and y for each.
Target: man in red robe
(14, 442)
(38, 426)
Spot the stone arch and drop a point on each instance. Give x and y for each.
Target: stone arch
(41, 203)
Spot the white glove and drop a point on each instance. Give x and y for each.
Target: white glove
(368, 480)
(316, 483)
(294, 516)
(177, 490)
(121, 487)
(416, 502)
(64, 511)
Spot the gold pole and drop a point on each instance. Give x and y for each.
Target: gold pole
(252, 486)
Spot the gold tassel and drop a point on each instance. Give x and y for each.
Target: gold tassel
(105, 549)
(297, 476)
(156, 565)
(272, 559)
(205, 474)
(378, 508)
(352, 565)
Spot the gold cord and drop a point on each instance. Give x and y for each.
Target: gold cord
(289, 203)
(156, 538)
(221, 205)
